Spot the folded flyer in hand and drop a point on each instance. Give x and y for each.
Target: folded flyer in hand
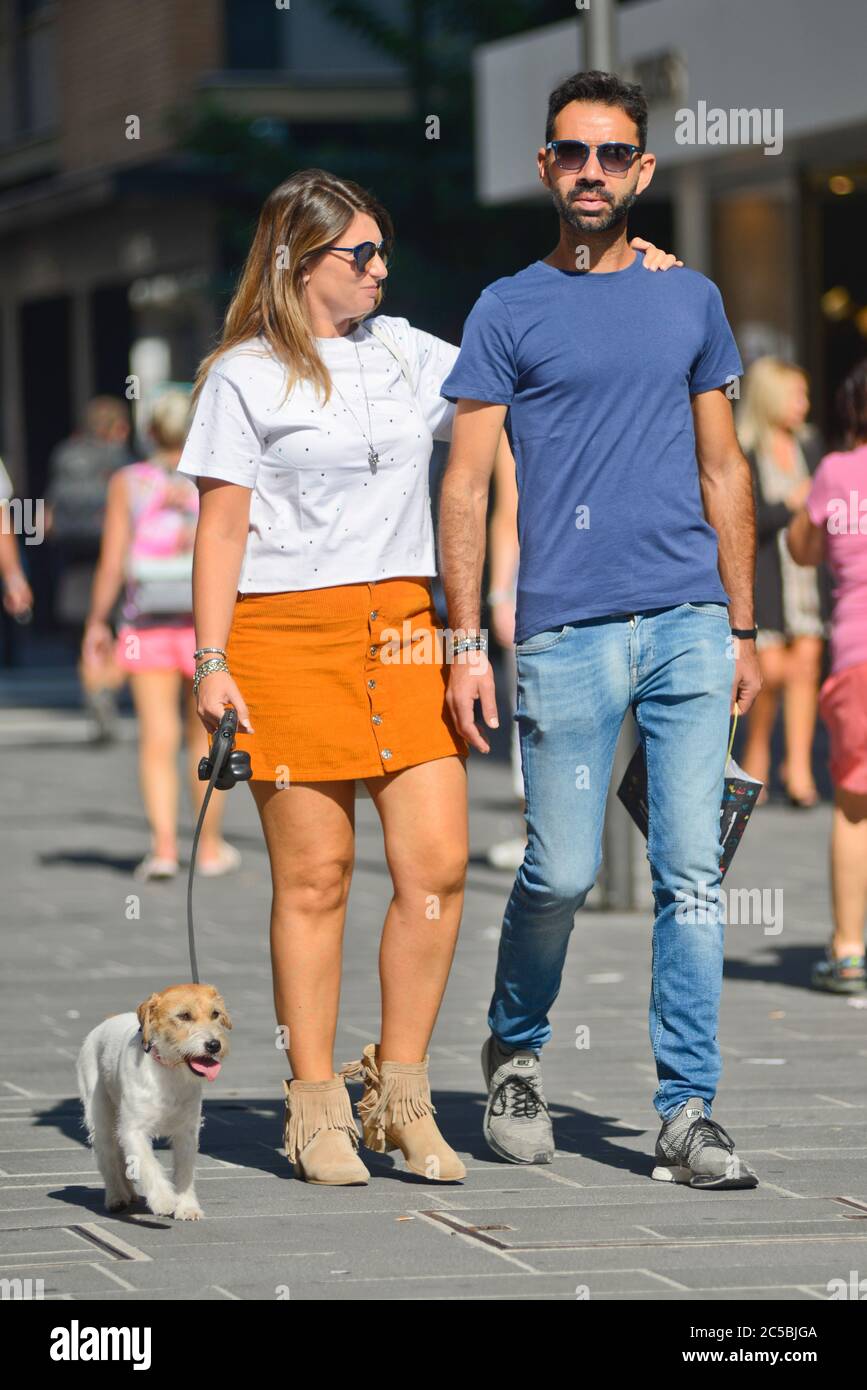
(740, 793)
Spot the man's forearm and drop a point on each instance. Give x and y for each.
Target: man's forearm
(730, 509)
(463, 508)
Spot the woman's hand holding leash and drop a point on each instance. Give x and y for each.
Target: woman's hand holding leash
(214, 693)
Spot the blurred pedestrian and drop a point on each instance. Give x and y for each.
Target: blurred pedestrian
(150, 526)
(17, 594)
(791, 603)
(78, 475)
(832, 526)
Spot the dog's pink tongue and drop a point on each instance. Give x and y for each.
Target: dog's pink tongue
(208, 1067)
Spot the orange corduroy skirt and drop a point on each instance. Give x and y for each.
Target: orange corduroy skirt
(343, 682)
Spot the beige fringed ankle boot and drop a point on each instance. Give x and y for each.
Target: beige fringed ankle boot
(396, 1112)
(319, 1133)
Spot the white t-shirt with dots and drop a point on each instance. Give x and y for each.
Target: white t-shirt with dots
(319, 515)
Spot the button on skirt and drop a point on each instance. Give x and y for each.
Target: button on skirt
(343, 682)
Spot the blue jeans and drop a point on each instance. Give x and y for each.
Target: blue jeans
(673, 667)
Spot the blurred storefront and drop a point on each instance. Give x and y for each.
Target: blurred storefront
(113, 256)
(110, 245)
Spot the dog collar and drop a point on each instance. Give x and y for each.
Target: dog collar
(151, 1049)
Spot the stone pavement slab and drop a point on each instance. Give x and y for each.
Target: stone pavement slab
(792, 1093)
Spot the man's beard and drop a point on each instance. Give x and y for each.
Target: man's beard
(571, 214)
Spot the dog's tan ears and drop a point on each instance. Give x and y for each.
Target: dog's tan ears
(143, 1013)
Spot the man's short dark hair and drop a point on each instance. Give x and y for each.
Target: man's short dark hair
(604, 88)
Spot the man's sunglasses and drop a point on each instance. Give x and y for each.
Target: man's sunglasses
(365, 251)
(614, 157)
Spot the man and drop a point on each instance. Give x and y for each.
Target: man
(637, 546)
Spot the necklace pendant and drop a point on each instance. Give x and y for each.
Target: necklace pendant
(373, 459)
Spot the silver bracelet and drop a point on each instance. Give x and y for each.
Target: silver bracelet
(470, 644)
(208, 668)
(202, 651)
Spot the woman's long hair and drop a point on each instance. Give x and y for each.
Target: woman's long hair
(765, 385)
(300, 217)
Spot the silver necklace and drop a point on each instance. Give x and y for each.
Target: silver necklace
(372, 454)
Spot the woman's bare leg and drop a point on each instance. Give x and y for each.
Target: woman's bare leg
(800, 704)
(310, 833)
(423, 810)
(156, 696)
(849, 872)
(756, 756)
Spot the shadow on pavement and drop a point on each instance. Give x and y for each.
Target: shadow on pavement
(250, 1134)
(791, 965)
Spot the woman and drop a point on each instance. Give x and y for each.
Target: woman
(147, 542)
(791, 604)
(832, 526)
(314, 618)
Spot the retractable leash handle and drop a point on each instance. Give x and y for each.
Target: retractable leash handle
(223, 767)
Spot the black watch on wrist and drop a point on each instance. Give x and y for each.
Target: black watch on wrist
(748, 634)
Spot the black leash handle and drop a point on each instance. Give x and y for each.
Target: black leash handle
(221, 748)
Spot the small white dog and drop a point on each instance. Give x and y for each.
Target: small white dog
(139, 1077)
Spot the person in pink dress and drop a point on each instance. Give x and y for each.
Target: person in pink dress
(832, 526)
(147, 545)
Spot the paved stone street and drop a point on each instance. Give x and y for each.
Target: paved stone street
(792, 1095)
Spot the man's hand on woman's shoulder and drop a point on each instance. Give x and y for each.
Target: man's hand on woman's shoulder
(654, 259)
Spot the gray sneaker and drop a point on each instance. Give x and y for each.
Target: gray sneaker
(696, 1150)
(517, 1124)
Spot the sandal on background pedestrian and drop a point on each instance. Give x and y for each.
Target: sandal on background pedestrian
(840, 975)
(320, 1136)
(397, 1112)
(228, 861)
(803, 797)
(804, 801)
(154, 867)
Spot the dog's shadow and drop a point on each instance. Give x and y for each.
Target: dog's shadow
(248, 1134)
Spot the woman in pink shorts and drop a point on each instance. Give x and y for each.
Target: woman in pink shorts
(147, 544)
(833, 527)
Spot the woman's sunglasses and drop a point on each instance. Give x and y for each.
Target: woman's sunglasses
(614, 157)
(365, 251)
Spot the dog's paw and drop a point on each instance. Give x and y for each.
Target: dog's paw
(188, 1209)
(162, 1202)
(118, 1201)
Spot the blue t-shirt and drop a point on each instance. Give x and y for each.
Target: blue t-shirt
(597, 370)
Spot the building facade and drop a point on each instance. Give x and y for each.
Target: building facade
(109, 228)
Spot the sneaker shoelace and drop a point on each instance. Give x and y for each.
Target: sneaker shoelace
(704, 1133)
(519, 1098)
